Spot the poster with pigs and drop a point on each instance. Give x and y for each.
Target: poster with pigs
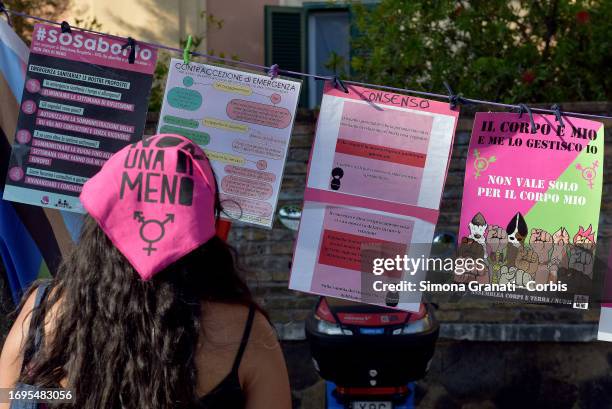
(531, 203)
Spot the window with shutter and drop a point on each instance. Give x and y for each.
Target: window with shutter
(313, 38)
(284, 39)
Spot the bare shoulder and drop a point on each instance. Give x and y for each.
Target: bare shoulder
(263, 334)
(12, 351)
(228, 321)
(262, 370)
(21, 326)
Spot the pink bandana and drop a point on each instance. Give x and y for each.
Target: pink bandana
(155, 200)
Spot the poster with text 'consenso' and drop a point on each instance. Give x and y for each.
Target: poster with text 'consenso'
(82, 102)
(375, 180)
(531, 202)
(243, 121)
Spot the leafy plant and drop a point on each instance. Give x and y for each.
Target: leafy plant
(336, 63)
(48, 9)
(510, 51)
(160, 74)
(159, 81)
(88, 23)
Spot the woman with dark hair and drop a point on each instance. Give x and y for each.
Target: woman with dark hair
(148, 311)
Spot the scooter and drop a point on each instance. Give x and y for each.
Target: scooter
(370, 356)
(333, 402)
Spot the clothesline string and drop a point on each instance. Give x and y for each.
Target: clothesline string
(316, 76)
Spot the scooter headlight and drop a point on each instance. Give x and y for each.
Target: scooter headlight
(328, 328)
(417, 326)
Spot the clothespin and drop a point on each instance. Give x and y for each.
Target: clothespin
(273, 71)
(6, 13)
(454, 99)
(131, 44)
(337, 83)
(557, 109)
(525, 109)
(65, 27)
(187, 50)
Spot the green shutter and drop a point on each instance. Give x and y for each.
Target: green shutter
(285, 39)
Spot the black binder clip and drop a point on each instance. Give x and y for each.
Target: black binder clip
(65, 27)
(454, 99)
(6, 13)
(131, 44)
(273, 71)
(337, 83)
(524, 109)
(558, 115)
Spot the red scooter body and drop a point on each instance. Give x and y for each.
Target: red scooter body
(370, 352)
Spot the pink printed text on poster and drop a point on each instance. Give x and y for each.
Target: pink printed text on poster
(247, 187)
(79, 150)
(91, 48)
(86, 99)
(250, 173)
(82, 129)
(53, 184)
(258, 114)
(81, 120)
(239, 205)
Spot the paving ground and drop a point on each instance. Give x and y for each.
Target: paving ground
(476, 374)
(490, 375)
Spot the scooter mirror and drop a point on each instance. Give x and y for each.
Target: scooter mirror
(289, 216)
(444, 244)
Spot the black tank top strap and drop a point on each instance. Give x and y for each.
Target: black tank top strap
(36, 325)
(245, 338)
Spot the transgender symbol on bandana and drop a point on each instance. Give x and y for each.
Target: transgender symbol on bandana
(154, 232)
(155, 200)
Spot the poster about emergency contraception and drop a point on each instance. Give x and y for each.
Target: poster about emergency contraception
(531, 204)
(243, 121)
(82, 102)
(374, 186)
